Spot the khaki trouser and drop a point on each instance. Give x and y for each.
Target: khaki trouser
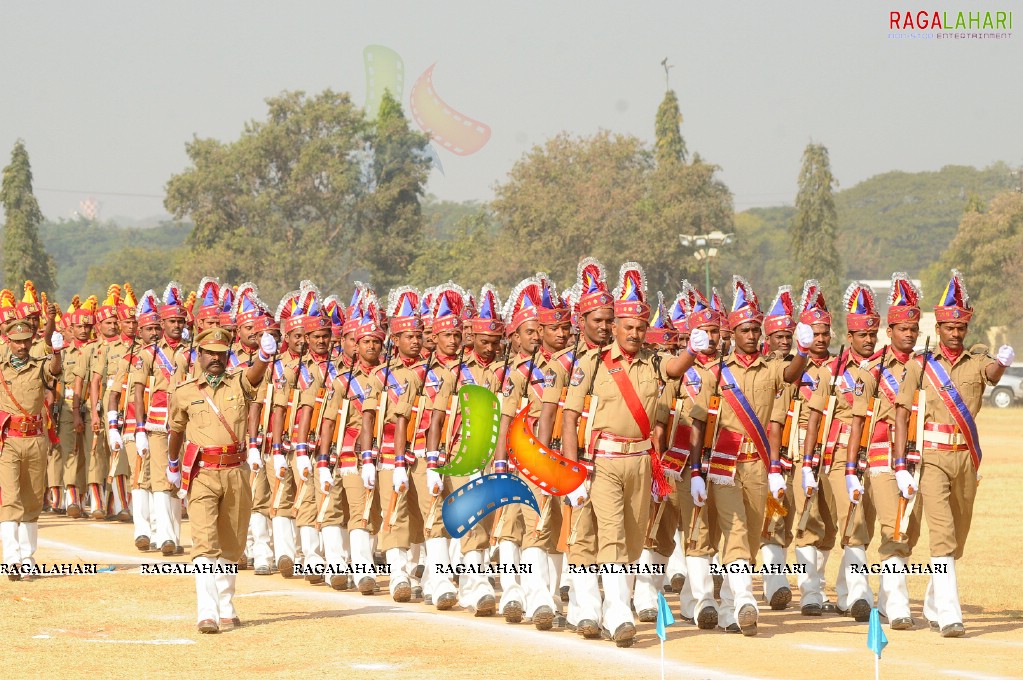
(261, 491)
(219, 504)
(282, 491)
(883, 491)
(478, 538)
(99, 458)
(347, 505)
(393, 535)
(307, 498)
(780, 528)
(739, 510)
(22, 478)
(838, 505)
(670, 512)
(948, 487)
(549, 527)
(621, 503)
(512, 526)
(73, 445)
(143, 482)
(157, 462)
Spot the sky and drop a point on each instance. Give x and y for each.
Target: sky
(106, 94)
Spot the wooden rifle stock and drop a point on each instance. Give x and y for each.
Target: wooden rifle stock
(775, 506)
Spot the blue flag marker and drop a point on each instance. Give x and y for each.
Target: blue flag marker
(876, 640)
(664, 617)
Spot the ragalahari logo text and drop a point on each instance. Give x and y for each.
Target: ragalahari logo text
(946, 25)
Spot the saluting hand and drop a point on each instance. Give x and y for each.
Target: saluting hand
(1006, 355)
(267, 347)
(699, 340)
(804, 336)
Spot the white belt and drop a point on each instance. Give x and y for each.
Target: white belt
(947, 438)
(623, 448)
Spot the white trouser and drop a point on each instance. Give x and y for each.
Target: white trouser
(362, 553)
(647, 586)
(472, 587)
(615, 610)
(167, 510)
(852, 584)
(686, 601)
(584, 599)
(535, 581)
(945, 592)
(773, 554)
(555, 565)
(335, 553)
(893, 595)
(259, 528)
(284, 537)
(416, 557)
(700, 583)
(311, 550)
(822, 573)
(511, 591)
(438, 562)
(9, 537)
(809, 580)
(118, 506)
(740, 587)
(225, 590)
(206, 595)
(140, 511)
(677, 561)
(726, 605)
(28, 538)
(397, 561)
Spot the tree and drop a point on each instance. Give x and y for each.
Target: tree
(141, 266)
(986, 249)
(24, 256)
(467, 255)
(669, 146)
(815, 227)
(391, 216)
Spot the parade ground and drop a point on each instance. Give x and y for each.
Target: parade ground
(57, 626)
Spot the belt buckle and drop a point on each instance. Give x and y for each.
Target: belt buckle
(25, 426)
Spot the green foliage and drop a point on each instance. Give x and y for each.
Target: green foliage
(81, 246)
(669, 145)
(466, 255)
(24, 257)
(815, 226)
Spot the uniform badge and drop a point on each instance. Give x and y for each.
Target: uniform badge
(858, 389)
(577, 376)
(138, 363)
(548, 380)
(279, 383)
(507, 389)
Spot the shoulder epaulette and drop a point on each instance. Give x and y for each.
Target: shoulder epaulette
(979, 349)
(188, 381)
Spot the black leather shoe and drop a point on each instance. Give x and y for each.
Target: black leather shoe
(647, 616)
(142, 543)
(733, 628)
(624, 635)
(905, 623)
(953, 630)
(707, 619)
(781, 598)
(588, 628)
(860, 611)
(830, 608)
(486, 606)
(367, 584)
(678, 582)
(543, 618)
(812, 609)
(446, 601)
(286, 566)
(168, 548)
(513, 612)
(747, 620)
(933, 625)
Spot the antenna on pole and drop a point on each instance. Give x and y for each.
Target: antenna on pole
(667, 67)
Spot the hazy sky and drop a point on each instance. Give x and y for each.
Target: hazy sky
(105, 94)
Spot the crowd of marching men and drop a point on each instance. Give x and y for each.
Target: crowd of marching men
(304, 439)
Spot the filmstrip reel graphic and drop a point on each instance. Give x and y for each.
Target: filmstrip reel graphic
(467, 505)
(384, 71)
(477, 436)
(542, 465)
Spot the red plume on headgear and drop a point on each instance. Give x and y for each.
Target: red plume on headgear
(779, 314)
(521, 305)
(208, 294)
(315, 318)
(661, 331)
(812, 307)
(148, 311)
(745, 305)
(903, 300)
(552, 310)
(955, 301)
(403, 310)
(630, 293)
(699, 312)
(488, 319)
(448, 302)
(592, 281)
(861, 310)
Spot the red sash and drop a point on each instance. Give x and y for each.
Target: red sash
(632, 401)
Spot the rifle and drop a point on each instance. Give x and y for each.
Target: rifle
(447, 432)
(775, 506)
(585, 425)
(559, 416)
(499, 513)
(915, 430)
(862, 461)
(710, 434)
(817, 459)
(123, 408)
(417, 407)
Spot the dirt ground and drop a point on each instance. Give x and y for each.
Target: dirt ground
(144, 624)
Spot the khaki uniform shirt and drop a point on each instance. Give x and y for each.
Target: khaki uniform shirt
(190, 414)
(968, 374)
(760, 384)
(26, 384)
(516, 385)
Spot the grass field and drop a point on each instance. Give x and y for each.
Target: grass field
(123, 622)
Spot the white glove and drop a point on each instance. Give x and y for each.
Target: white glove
(305, 468)
(267, 344)
(776, 483)
(400, 479)
(853, 486)
(434, 482)
(1006, 355)
(905, 482)
(254, 459)
(804, 335)
(280, 463)
(185, 334)
(699, 340)
(698, 490)
(808, 481)
(369, 476)
(113, 417)
(114, 439)
(579, 496)
(57, 343)
(326, 480)
(141, 443)
(174, 478)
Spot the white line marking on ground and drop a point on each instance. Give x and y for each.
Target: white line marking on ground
(972, 674)
(179, 641)
(822, 648)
